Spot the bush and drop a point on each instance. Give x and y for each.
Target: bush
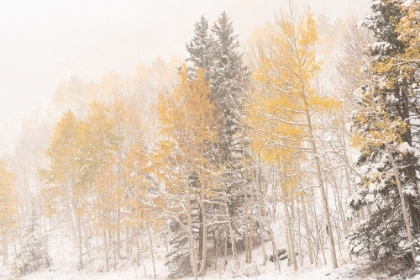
(34, 255)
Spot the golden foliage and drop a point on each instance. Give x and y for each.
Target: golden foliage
(189, 126)
(8, 200)
(280, 112)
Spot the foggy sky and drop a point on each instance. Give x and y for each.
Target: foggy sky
(45, 41)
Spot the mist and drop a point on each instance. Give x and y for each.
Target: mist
(44, 42)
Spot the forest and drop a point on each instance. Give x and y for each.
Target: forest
(293, 152)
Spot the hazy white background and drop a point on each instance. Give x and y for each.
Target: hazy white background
(45, 41)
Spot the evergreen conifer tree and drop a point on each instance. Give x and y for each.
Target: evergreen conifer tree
(217, 54)
(386, 136)
(34, 253)
(229, 81)
(201, 47)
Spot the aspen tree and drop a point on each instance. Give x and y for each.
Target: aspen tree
(77, 151)
(189, 125)
(286, 105)
(144, 201)
(64, 172)
(8, 209)
(101, 143)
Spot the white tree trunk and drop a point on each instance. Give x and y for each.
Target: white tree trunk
(403, 205)
(291, 245)
(324, 197)
(204, 253)
(106, 252)
(308, 232)
(151, 249)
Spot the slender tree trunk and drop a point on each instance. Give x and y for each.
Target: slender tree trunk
(251, 222)
(14, 245)
(73, 220)
(127, 241)
(200, 233)
(324, 198)
(138, 251)
(5, 249)
(251, 240)
(114, 250)
(261, 210)
(166, 245)
(106, 252)
(338, 230)
(274, 191)
(80, 243)
(308, 232)
(86, 234)
(61, 232)
(299, 234)
(264, 253)
(151, 248)
(233, 240)
(291, 246)
(96, 243)
(275, 255)
(216, 245)
(339, 207)
(319, 241)
(322, 190)
(203, 234)
(246, 233)
(118, 233)
(204, 239)
(403, 205)
(142, 261)
(191, 241)
(225, 252)
(231, 232)
(289, 249)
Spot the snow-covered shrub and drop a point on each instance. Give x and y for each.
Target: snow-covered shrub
(178, 256)
(249, 270)
(34, 255)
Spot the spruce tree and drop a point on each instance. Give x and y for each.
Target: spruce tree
(229, 80)
(201, 50)
(178, 256)
(219, 57)
(217, 54)
(201, 47)
(386, 136)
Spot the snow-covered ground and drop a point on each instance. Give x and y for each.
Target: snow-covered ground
(250, 271)
(64, 266)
